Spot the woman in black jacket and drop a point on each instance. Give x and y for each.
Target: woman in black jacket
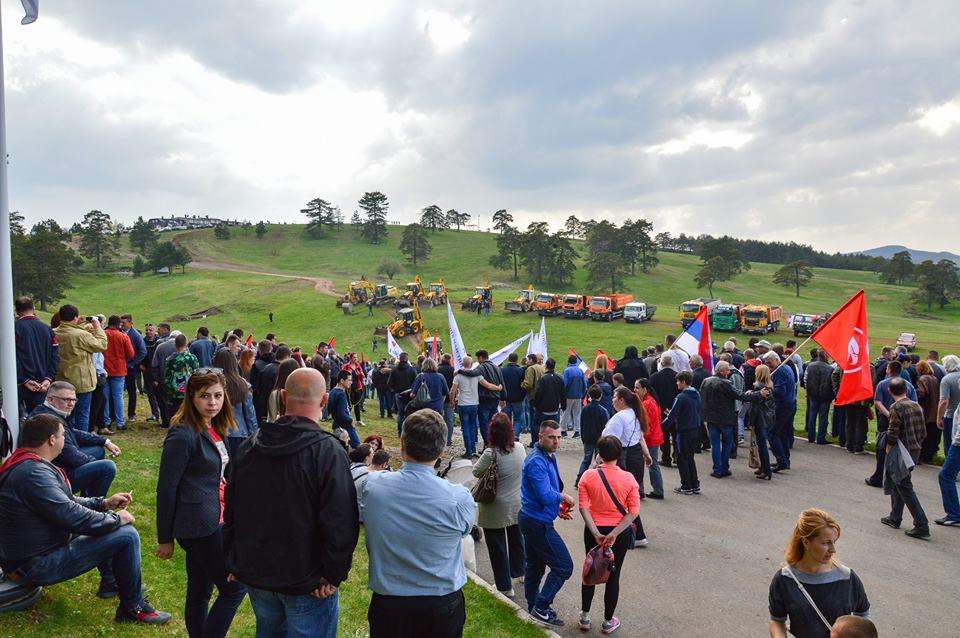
(760, 419)
(190, 502)
(631, 367)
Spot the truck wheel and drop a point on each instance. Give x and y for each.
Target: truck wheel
(401, 333)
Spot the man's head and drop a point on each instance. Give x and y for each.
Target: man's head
(550, 364)
(264, 347)
(658, 349)
(951, 363)
(549, 439)
(512, 357)
(62, 396)
(114, 322)
(684, 379)
(126, 321)
(69, 314)
(23, 306)
(792, 344)
(572, 360)
(482, 356)
(380, 461)
(283, 352)
(722, 369)
(729, 346)
(233, 344)
(363, 453)
(203, 332)
(180, 341)
(762, 347)
(305, 393)
(771, 360)
(669, 340)
(666, 361)
(933, 355)
(696, 361)
(343, 379)
(898, 387)
(531, 359)
(446, 359)
(894, 368)
(43, 435)
(150, 330)
(467, 362)
(726, 356)
(163, 329)
(595, 393)
(749, 354)
(424, 437)
(887, 353)
(272, 338)
(853, 627)
(617, 380)
(404, 357)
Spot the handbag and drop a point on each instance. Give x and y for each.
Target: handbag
(809, 599)
(598, 564)
(620, 508)
(754, 462)
(485, 489)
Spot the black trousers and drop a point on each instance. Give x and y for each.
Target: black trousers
(206, 568)
(877, 477)
(855, 424)
(97, 403)
(417, 616)
(687, 442)
(931, 443)
(669, 437)
(130, 384)
(631, 460)
(611, 589)
(507, 558)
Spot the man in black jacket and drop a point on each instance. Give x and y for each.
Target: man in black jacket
(263, 376)
(816, 379)
(664, 384)
(291, 521)
(48, 535)
(631, 367)
(548, 399)
(490, 400)
(400, 381)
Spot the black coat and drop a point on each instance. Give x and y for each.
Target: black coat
(263, 376)
(631, 369)
(291, 514)
(664, 385)
(188, 485)
(401, 377)
(550, 395)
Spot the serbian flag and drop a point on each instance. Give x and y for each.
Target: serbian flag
(844, 337)
(696, 339)
(249, 343)
(611, 364)
(584, 368)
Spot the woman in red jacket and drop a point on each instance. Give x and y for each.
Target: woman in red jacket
(119, 351)
(654, 435)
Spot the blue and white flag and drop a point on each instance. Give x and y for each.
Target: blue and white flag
(501, 355)
(32, 7)
(456, 341)
(392, 346)
(542, 339)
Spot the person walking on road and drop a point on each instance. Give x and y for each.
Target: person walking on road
(629, 424)
(663, 383)
(592, 421)
(575, 387)
(904, 426)
(548, 399)
(653, 436)
(813, 589)
(761, 418)
(684, 419)
(882, 400)
(928, 395)
(541, 501)
(948, 481)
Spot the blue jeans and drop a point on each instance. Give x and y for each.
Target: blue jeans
(468, 425)
(354, 437)
(518, 414)
(656, 477)
(289, 616)
(544, 548)
(721, 446)
(782, 430)
(818, 411)
(94, 478)
(114, 392)
(81, 411)
(485, 412)
(386, 404)
(589, 450)
(449, 420)
(947, 432)
(116, 554)
(206, 567)
(948, 483)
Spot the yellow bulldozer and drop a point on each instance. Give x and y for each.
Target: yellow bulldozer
(523, 301)
(481, 295)
(413, 292)
(357, 293)
(436, 294)
(407, 322)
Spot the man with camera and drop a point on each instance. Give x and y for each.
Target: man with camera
(78, 340)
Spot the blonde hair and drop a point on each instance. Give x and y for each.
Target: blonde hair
(600, 363)
(763, 376)
(810, 523)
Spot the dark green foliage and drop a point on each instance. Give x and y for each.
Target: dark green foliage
(143, 236)
(97, 241)
(795, 274)
(374, 206)
(414, 244)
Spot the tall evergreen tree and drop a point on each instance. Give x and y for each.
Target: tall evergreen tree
(535, 252)
(605, 263)
(899, 268)
(713, 270)
(16, 223)
(433, 219)
(143, 236)
(794, 275)
(563, 264)
(414, 244)
(509, 249)
(165, 255)
(320, 214)
(502, 220)
(262, 229)
(640, 245)
(457, 219)
(374, 205)
(46, 267)
(573, 228)
(97, 241)
(727, 249)
(936, 283)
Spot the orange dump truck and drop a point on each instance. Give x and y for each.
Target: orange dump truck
(608, 308)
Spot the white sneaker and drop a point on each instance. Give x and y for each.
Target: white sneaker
(641, 542)
(509, 593)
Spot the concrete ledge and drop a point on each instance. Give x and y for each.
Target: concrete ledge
(521, 613)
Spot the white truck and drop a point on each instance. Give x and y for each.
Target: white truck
(638, 311)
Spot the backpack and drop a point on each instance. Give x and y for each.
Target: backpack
(177, 372)
(423, 397)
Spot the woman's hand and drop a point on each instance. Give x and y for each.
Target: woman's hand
(600, 539)
(164, 551)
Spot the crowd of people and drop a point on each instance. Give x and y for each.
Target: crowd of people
(261, 432)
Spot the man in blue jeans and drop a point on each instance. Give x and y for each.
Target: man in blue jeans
(818, 382)
(541, 497)
(515, 408)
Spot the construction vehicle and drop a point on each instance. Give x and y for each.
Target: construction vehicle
(407, 322)
(413, 292)
(761, 319)
(547, 304)
(689, 309)
(638, 312)
(727, 317)
(436, 294)
(523, 301)
(806, 324)
(481, 295)
(384, 294)
(426, 342)
(908, 340)
(358, 292)
(574, 306)
(608, 308)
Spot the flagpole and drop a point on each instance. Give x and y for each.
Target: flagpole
(8, 354)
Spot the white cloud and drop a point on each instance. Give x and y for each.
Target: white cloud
(446, 32)
(702, 137)
(940, 119)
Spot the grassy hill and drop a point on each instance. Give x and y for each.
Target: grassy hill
(304, 316)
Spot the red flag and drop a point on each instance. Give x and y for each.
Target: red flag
(250, 340)
(844, 337)
(332, 341)
(434, 349)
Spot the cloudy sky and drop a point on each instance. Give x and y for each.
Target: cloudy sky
(833, 123)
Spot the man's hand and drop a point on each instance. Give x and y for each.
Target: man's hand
(118, 501)
(324, 589)
(164, 551)
(647, 459)
(940, 424)
(344, 437)
(126, 518)
(112, 448)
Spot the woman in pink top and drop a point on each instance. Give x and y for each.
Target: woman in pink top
(609, 502)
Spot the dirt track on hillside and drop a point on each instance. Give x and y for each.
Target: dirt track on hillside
(321, 285)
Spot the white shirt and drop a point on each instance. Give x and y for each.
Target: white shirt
(681, 360)
(625, 426)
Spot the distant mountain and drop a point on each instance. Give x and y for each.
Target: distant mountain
(916, 255)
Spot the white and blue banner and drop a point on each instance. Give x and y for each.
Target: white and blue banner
(501, 355)
(459, 351)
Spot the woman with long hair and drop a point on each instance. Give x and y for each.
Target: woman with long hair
(499, 518)
(653, 436)
(609, 501)
(812, 588)
(247, 357)
(601, 366)
(190, 488)
(275, 406)
(760, 418)
(629, 425)
(240, 395)
(375, 441)
(928, 396)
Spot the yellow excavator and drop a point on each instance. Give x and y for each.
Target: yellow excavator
(481, 294)
(407, 322)
(523, 302)
(413, 292)
(437, 293)
(357, 293)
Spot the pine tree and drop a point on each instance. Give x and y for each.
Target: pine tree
(605, 263)
(321, 215)
(563, 264)
(502, 220)
(45, 271)
(456, 218)
(535, 252)
(433, 219)
(414, 244)
(96, 239)
(509, 247)
(795, 274)
(711, 271)
(165, 255)
(899, 268)
(143, 236)
(374, 205)
(573, 228)
(262, 229)
(139, 266)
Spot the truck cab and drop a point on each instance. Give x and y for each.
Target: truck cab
(574, 306)
(761, 319)
(727, 317)
(638, 311)
(690, 309)
(547, 304)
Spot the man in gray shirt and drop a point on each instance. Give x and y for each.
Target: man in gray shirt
(157, 368)
(949, 397)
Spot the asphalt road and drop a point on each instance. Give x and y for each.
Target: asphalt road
(711, 557)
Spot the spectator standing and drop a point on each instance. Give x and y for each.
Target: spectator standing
(77, 343)
(541, 501)
(275, 407)
(263, 376)
(119, 351)
(817, 381)
(592, 421)
(761, 418)
(466, 394)
(492, 394)
(158, 364)
(785, 407)
(98, 399)
(948, 481)
(684, 419)
(515, 407)
(150, 340)
(190, 499)
(631, 367)
(906, 426)
(436, 386)
(400, 381)
(380, 379)
(928, 396)
(628, 425)
(176, 374)
(240, 397)
(609, 502)
(719, 410)
(49, 536)
(700, 374)
(203, 347)
(548, 398)
(882, 400)
(445, 368)
(339, 407)
(38, 355)
(133, 381)
(606, 390)
(653, 436)
(602, 365)
(417, 586)
(811, 570)
(296, 476)
(949, 398)
(664, 386)
(574, 389)
(499, 518)
(531, 377)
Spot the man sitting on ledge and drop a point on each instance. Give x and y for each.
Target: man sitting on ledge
(48, 535)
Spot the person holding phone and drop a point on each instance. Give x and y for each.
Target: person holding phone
(77, 343)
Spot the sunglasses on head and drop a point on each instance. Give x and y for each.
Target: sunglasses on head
(207, 371)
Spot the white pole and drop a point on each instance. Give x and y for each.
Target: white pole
(8, 355)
